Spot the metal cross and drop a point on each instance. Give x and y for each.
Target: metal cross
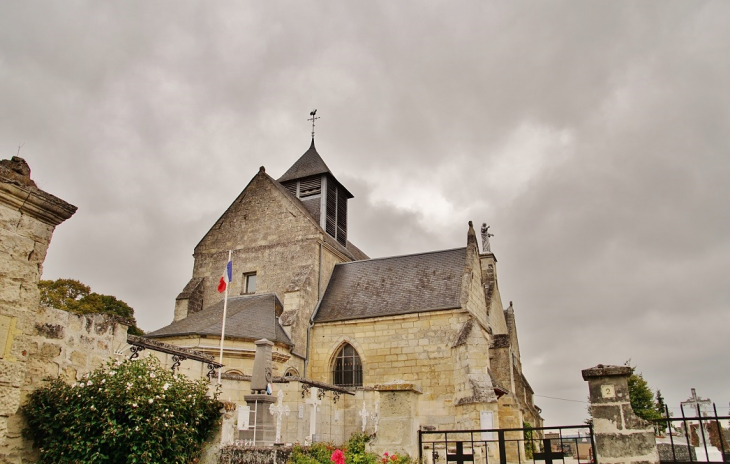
(548, 455)
(313, 118)
(459, 457)
(278, 411)
(364, 414)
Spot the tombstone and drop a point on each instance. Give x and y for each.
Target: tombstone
(262, 429)
(279, 410)
(313, 401)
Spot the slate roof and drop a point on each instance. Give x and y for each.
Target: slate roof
(251, 317)
(309, 164)
(392, 286)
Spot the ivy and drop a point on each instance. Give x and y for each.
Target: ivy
(123, 412)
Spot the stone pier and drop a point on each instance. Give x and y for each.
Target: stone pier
(621, 437)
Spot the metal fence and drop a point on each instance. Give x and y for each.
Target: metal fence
(696, 438)
(569, 444)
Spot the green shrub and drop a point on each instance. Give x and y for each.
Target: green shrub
(123, 412)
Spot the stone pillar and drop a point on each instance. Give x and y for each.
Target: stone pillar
(263, 430)
(398, 423)
(620, 436)
(28, 217)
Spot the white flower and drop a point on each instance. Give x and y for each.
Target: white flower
(112, 372)
(134, 405)
(152, 375)
(103, 380)
(89, 383)
(166, 386)
(150, 400)
(81, 384)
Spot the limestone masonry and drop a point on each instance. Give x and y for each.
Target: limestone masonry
(415, 341)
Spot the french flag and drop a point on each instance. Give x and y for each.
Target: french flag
(227, 276)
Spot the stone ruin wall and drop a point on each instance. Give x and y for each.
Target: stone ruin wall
(36, 342)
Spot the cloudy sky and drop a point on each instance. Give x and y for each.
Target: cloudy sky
(594, 137)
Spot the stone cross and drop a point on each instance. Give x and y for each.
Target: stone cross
(696, 403)
(313, 403)
(364, 414)
(279, 410)
(375, 416)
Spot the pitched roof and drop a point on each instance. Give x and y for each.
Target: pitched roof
(250, 317)
(392, 286)
(310, 164)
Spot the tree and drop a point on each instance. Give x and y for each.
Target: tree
(642, 398)
(71, 295)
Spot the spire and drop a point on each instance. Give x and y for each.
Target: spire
(310, 164)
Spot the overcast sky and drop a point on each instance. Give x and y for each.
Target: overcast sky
(594, 137)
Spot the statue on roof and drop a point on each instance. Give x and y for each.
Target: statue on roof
(485, 238)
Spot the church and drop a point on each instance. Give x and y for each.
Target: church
(425, 330)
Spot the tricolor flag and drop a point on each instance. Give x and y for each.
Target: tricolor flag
(227, 276)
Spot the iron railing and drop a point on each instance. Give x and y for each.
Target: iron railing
(692, 439)
(503, 446)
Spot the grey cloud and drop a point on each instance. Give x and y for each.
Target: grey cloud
(611, 228)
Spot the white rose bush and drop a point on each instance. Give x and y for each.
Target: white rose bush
(123, 412)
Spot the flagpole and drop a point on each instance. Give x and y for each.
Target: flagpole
(223, 328)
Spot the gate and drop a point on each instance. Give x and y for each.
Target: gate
(569, 444)
(685, 440)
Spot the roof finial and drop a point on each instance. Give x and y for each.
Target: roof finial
(313, 118)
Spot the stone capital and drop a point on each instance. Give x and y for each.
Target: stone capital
(606, 371)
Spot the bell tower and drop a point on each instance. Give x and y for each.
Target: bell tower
(311, 181)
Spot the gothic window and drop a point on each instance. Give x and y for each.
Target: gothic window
(347, 371)
(249, 283)
(291, 372)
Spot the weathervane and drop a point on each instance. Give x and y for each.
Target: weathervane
(313, 118)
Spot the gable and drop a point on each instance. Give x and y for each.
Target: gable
(264, 212)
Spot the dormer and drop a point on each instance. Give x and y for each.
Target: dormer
(311, 181)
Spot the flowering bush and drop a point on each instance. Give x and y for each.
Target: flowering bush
(352, 453)
(123, 412)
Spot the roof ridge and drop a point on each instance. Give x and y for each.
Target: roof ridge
(402, 256)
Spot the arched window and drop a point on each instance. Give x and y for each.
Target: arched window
(291, 372)
(347, 371)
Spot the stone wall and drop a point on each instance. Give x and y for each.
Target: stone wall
(272, 235)
(412, 348)
(28, 217)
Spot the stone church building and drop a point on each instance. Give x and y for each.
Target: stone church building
(423, 339)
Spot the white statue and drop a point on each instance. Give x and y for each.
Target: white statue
(485, 238)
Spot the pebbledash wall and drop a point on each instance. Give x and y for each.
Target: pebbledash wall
(37, 342)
